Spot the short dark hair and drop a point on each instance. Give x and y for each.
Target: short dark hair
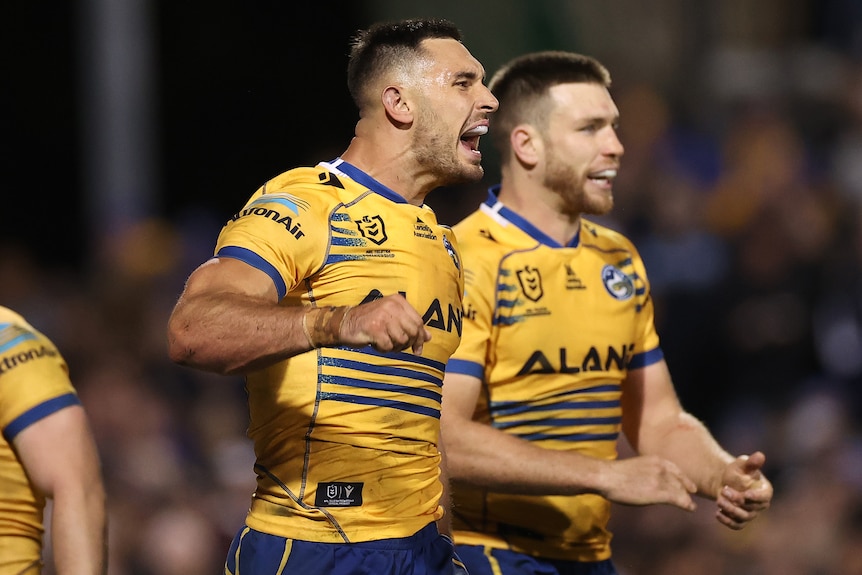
(387, 44)
(522, 85)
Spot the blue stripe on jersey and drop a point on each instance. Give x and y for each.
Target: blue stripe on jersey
(37, 413)
(498, 409)
(466, 367)
(338, 241)
(11, 335)
(559, 422)
(331, 259)
(255, 261)
(361, 177)
(571, 437)
(393, 387)
(646, 358)
(566, 398)
(400, 356)
(523, 224)
(377, 369)
(381, 403)
(265, 199)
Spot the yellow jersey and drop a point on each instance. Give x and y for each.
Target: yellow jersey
(346, 439)
(34, 383)
(551, 330)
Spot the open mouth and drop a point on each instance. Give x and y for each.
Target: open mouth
(470, 138)
(604, 178)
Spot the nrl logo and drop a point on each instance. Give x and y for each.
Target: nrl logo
(531, 283)
(372, 228)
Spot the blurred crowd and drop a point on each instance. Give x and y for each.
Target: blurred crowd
(751, 230)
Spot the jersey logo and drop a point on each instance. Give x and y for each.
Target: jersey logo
(451, 250)
(593, 360)
(289, 201)
(329, 179)
(10, 362)
(373, 228)
(618, 284)
(423, 230)
(339, 494)
(434, 316)
(572, 279)
(294, 228)
(531, 283)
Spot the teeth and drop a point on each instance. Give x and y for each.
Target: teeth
(604, 174)
(477, 131)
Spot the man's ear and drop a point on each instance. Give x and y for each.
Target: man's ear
(396, 105)
(526, 144)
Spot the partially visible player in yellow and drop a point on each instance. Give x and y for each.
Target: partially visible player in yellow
(46, 451)
(559, 352)
(337, 294)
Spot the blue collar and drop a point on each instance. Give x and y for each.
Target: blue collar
(357, 175)
(496, 206)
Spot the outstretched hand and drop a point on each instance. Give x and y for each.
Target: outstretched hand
(387, 324)
(745, 492)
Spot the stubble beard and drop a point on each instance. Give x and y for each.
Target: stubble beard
(434, 151)
(562, 179)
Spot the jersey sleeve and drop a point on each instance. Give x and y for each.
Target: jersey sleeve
(647, 350)
(472, 355)
(280, 233)
(34, 378)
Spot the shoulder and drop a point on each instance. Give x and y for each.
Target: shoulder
(305, 187)
(15, 331)
(603, 237)
(479, 231)
(7, 316)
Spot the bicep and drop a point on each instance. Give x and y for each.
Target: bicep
(460, 394)
(650, 406)
(58, 449)
(229, 275)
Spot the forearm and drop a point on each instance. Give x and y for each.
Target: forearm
(481, 455)
(78, 531)
(232, 333)
(688, 443)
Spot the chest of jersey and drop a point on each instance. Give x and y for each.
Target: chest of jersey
(376, 250)
(578, 308)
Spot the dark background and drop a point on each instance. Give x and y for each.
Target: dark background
(133, 129)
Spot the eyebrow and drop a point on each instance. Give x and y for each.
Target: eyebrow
(467, 75)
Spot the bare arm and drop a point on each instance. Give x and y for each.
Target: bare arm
(228, 320)
(655, 423)
(481, 455)
(60, 457)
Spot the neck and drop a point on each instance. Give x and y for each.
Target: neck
(387, 158)
(539, 206)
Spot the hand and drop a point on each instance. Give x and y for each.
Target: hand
(387, 324)
(746, 491)
(647, 480)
